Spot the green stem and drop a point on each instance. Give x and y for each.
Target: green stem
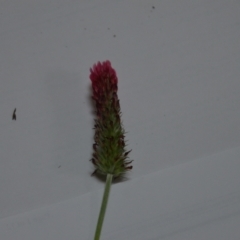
(103, 207)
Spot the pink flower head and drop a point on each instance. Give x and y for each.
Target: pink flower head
(103, 78)
(104, 84)
(109, 155)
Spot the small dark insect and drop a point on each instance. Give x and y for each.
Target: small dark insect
(14, 117)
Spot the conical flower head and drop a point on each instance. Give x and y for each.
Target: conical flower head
(110, 155)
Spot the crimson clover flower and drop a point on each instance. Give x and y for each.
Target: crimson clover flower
(110, 155)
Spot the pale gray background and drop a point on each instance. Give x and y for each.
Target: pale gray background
(178, 64)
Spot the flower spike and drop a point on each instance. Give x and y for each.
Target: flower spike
(110, 155)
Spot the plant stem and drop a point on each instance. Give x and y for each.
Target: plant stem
(103, 207)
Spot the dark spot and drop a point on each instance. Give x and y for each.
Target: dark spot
(14, 117)
(59, 166)
(153, 7)
(114, 35)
